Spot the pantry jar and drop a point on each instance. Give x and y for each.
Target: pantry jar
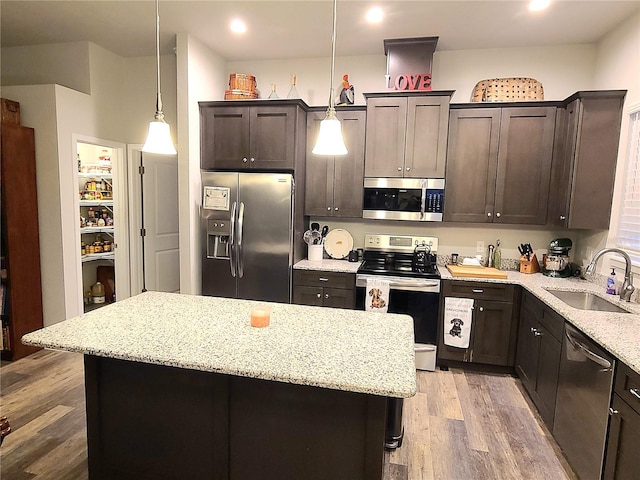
(97, 290)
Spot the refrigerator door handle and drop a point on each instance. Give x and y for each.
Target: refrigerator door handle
(232, 239)
(240, 233)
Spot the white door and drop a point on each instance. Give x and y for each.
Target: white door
(156, 259)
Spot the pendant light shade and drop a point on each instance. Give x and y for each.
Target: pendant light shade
(330, 140)
(159, 135)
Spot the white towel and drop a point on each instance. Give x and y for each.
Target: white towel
(458, 314)
(377, 299)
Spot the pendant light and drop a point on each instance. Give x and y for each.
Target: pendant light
(159, 136)
(330, 140)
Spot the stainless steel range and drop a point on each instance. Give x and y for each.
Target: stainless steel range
(408, 263)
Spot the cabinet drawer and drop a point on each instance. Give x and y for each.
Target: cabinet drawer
(500, 292)
(552, 321)
(315, 278)
(628, 386)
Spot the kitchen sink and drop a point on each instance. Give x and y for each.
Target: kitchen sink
(586, 301)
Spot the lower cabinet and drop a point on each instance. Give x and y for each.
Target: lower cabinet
(538, 354)
(623, 445)
(494, 323)
(324, 289)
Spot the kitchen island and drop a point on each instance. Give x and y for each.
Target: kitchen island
(181, 386)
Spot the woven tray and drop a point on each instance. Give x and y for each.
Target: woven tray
(515, 89)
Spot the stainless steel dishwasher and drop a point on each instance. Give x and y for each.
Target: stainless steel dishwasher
(582, 404)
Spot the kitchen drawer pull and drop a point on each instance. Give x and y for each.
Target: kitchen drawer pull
(563, 218)
(613, 412)
(477, 290)
(323, 279)
(328, 209)
(535, 331)
(336, 209)
(488, 214)
(634, 392)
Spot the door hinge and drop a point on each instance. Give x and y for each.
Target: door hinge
(143, 232)
(141, 169)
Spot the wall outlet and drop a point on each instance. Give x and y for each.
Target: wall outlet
(479, 247)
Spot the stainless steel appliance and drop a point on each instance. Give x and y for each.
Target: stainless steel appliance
(404, 199)
(582, 404)
(556, 263)
(409, 264)
(247, 235)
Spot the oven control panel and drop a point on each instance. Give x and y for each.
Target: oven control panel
(398, 243)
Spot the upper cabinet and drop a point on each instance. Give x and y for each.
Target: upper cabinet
(265, 135)
(498, 163)
(334, 185)
(406, 134)
(584, 169)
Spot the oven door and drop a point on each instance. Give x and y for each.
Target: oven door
(418, 297)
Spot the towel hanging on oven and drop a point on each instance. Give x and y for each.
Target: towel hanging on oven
(377, 299)
(458, 314)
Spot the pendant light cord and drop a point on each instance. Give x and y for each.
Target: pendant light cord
(159, 114)
(333, 58)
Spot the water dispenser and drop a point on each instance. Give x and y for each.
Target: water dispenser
(218, 235)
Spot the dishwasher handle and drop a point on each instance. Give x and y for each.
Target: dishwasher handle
(594, 357)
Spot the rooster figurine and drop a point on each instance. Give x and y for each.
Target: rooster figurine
(347, 95)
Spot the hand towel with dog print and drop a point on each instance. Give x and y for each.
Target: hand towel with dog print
(458, 313)
(377, 299)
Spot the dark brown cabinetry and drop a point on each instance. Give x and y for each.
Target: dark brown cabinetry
(587, 137)
(334, 185)
(407, 135)
(22, 291)
(266, 135)
(498, 164)
(494, 328)
(324, 289)
(621, 460)
(538, 354)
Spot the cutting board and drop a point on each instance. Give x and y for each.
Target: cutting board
(476, 272)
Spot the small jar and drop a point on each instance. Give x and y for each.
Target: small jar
(91, 249)
(83, 249)
(97, 247)
(107, 246)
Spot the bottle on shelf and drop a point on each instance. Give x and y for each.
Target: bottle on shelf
(97, 291)
(293, 92)
(273, 95)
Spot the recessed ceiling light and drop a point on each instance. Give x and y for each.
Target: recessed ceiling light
(537, 5)
(238, 26)
(375, 15)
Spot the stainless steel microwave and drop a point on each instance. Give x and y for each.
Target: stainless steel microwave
(420, 199)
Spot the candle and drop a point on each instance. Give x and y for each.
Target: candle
(260, 317)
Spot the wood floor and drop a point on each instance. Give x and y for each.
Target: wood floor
(460, 426)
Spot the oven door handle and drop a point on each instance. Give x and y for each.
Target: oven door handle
(396, 283)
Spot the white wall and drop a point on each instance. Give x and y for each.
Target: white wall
(62, 63)
(200, 74)
(562, 70)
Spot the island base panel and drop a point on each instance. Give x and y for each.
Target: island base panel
(154, 421)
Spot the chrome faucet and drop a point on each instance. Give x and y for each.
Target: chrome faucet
(627, 286)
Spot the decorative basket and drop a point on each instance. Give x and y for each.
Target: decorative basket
(239, 95)
(242, 81)
(515, 89)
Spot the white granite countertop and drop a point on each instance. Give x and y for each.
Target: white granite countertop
(618, 333)
(329, 265)
(349, 350)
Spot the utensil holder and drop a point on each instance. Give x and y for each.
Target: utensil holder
(315, 253)
(529, 266)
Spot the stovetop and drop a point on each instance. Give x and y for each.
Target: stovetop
(394, 256)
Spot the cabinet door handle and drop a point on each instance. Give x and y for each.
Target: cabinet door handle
(477, 290)
(489, 214)
(326, 295)
(399, 169)
(498, 215)
(253, 159)
(612, 411)
(244, 160)
(328, 209)
(336, 209)
(634, 392)
(318, 295)
(323, 279)
(536, 332)
(563, 218)
(481, 309)
(408, 169)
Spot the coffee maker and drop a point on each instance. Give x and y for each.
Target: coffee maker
(556, 263)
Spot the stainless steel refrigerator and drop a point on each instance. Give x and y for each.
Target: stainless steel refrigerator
(247, 235)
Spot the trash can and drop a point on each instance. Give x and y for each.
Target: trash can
(425, 356)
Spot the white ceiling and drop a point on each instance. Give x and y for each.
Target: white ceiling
(302, 28)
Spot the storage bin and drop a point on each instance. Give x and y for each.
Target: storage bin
(425, 356)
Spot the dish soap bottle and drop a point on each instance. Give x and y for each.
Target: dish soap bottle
(611, 283)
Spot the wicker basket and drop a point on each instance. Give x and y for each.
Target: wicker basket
(515, 89)
(240, 95)
(242, 81)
